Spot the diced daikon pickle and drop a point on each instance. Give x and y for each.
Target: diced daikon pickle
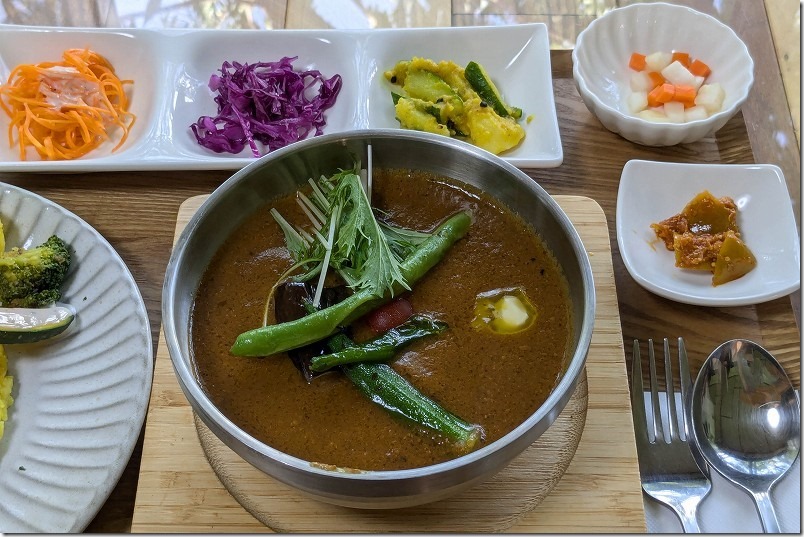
(640, 81)
(637, 101)
(678, 75)
(651, 114)
(674, 111)
(711, 97)
(695, 113)
(658, 61)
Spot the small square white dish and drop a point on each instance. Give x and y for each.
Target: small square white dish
(652, 191)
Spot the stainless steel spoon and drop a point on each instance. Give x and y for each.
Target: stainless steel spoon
(746, 420)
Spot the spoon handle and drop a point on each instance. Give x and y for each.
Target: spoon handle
(689, 521)
(766, 512)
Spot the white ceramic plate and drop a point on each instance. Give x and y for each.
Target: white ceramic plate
(652, 191)
(171, 70)
(80, 398)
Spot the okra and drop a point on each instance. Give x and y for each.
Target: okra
(387, 388)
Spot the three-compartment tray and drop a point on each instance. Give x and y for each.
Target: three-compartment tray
(170, 70)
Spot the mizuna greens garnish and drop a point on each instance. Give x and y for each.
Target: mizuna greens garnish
(348, 237)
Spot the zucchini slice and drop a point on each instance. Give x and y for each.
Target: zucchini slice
(420, 115)
(488, 92)
(428, 86)
(28, 325)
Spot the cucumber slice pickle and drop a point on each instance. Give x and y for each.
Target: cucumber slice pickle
(481, 82)
(28, 325)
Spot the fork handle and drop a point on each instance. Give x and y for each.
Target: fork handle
(766, 512)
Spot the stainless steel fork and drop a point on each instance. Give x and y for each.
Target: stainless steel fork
(673, 471)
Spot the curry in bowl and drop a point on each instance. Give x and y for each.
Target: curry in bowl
(489, 317)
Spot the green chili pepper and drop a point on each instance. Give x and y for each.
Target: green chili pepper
(381, 348)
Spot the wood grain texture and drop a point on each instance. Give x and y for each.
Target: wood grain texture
(178, 490)
(784, 17)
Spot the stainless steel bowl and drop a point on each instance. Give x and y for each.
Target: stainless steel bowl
(281, 172)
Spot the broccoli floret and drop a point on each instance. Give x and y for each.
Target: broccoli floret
(33, 278)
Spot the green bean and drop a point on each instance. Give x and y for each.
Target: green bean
(381, 348)
(281, 337)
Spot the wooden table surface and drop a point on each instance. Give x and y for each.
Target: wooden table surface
(136, 211)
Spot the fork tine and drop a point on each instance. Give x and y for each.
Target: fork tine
(638, 392)
(658, 431)
(685, 382)
(672, 471)
(670, 390)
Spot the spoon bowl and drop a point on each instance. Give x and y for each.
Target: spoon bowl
(746, 420)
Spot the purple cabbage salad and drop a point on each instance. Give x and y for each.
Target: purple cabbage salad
(266, 102)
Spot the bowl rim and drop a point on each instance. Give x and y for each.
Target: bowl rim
(634, 120)
(559, 395)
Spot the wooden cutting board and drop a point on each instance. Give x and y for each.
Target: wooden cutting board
(179, 491)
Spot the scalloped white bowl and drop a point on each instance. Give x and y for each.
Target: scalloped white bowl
(602, 76)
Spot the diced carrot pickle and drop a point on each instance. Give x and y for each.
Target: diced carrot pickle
(656, 79)
(682, 57)
(686, 95)
(637, 62)
(673, 83)
(699, 68)
(661, 94)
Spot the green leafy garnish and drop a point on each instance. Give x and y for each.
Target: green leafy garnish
(344, 234)
(403, 242)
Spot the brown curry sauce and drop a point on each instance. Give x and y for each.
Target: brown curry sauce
(491, 379)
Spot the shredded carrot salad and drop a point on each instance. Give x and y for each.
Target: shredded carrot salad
(65, 109)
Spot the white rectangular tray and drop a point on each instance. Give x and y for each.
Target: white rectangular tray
(171, 70)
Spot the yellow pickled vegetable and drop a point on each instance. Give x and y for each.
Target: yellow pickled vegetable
(443, 98)
(734, 260)
(705, 236)
(6, 384)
